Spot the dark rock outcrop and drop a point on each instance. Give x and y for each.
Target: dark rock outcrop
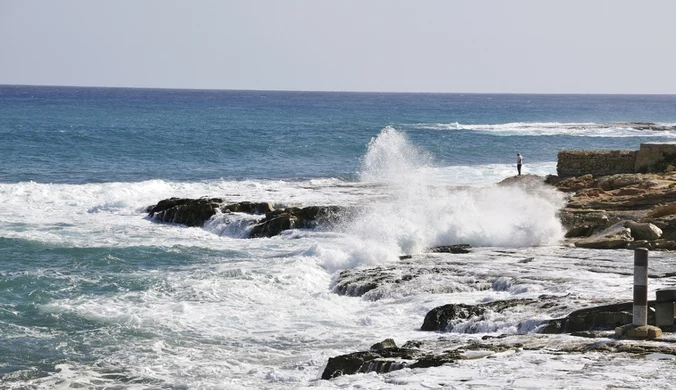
(386, 360)
(459, 248)
(433, 353)
(189, 212)
(277, 221)
(607, 317)
(442, 318)
(591, 324)
(196, 212)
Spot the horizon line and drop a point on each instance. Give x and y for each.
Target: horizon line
(335, 91)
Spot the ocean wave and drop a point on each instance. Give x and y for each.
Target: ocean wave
(576, 129)
(419, 212)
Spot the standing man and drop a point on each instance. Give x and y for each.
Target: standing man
(519, 162)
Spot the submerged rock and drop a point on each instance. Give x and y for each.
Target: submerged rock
(419, 274)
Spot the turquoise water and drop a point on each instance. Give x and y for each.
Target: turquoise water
(93, 294)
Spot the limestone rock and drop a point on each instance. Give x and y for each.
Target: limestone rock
(614, 182)
(615, 237)
(662, 210)
(643, 231)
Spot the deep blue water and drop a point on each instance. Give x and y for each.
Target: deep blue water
(82, 135)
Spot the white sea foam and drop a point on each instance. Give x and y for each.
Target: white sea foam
(582, 129)
(272, 323)
(419, 213)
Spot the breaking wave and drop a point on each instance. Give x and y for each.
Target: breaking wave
(417, 213)
(583, 129)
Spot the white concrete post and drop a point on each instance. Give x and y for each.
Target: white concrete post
(640, 313)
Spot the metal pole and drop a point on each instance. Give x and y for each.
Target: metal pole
(640, 314)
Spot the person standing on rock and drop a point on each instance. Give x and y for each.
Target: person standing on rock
(519, 162)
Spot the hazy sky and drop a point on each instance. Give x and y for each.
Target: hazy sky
(567, 46)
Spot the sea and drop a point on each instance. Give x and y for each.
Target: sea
(94, 294)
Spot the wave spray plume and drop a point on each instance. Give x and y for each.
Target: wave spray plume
(416, 213)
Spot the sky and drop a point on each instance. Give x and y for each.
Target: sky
(463, 46)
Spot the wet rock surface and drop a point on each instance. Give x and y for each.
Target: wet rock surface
(434, 353)
(431, 273)
(593, 327)
(196, 212)
(563, 322)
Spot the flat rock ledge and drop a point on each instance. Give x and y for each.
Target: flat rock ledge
(434, 353)
(196, 212)
(620, 211)
(593, 330)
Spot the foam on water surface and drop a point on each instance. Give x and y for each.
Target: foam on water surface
(588, 129)
(96, 296)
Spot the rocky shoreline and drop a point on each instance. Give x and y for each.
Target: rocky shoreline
(621, 211)
(588, 325)
(385, 356)
(607, 212)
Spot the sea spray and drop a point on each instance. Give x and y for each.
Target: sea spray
(392, 159)
(417, 213)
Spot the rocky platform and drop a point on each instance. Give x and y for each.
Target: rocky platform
(554, 324)
(385, 356)
(620, 211)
